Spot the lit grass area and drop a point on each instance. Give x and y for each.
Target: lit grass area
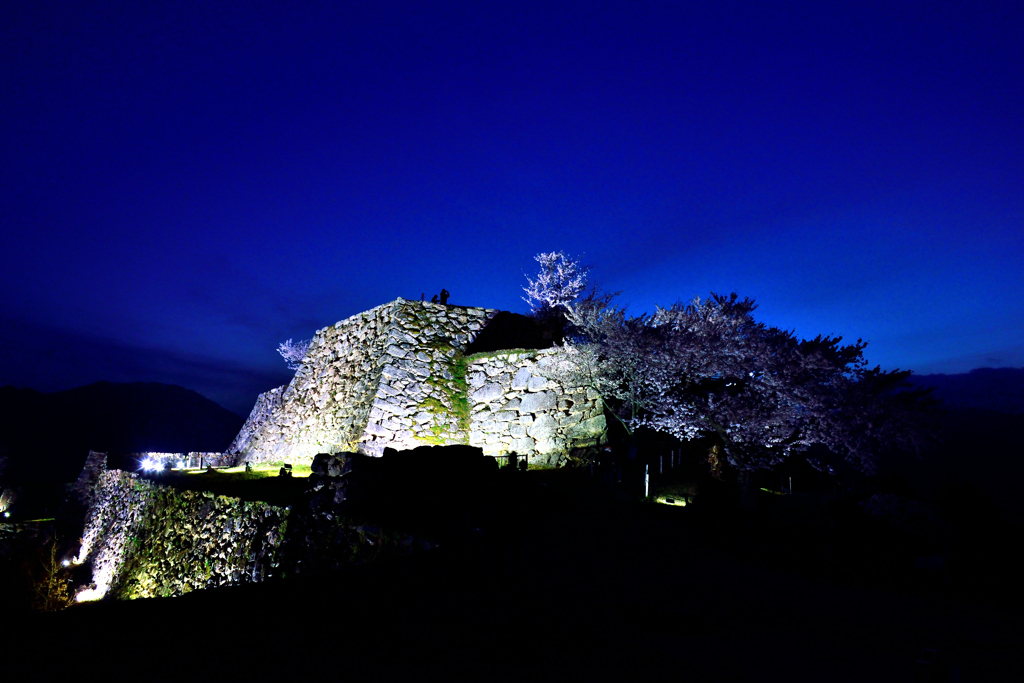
(679, 495)
(261, 471)
(263, 483)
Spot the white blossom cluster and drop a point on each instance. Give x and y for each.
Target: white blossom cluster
(559, 283)
(294, 352)
(707, 367)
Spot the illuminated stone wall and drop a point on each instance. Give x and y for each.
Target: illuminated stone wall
(142, 539)
(396, 376)
(341, 398)
(325, 407)
(266, 404)
(145, 540)
(515, 408)
(421, 396)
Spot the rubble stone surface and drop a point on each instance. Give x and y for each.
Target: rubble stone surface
(397, 376)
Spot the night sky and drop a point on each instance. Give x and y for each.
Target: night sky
(184, 186)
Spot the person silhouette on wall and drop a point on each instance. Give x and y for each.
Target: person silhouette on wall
(433, 299)
(444, 297)
(422, 295)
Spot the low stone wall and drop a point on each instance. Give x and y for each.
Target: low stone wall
(143, 540)
(321, 535)
(146, 540)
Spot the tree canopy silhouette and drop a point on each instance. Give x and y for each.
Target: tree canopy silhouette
(708, 368)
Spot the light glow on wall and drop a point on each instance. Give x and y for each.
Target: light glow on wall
(109, 528)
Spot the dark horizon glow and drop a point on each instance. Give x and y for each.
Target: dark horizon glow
(183, 188)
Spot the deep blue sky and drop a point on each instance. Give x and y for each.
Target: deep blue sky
(183, 186)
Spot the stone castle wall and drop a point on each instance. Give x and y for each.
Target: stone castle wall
(420, 395)
(515, 408)
(338, 400)
(325, 406)
(145, 540)
(266, 404)
(397, 376)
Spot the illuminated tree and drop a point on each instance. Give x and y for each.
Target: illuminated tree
(607, 351)
(294, 352)
(769, 396)
(708, 367)
(48, 576)
(559, 283)
(7, 498)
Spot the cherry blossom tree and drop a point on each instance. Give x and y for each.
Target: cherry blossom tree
(607, 351)
(707, 367)
(559, 283)
(294, 352)
(769, 396)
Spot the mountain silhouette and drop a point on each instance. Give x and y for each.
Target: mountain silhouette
(47, 436)
(998, 389)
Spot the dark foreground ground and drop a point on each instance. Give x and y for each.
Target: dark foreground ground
(581, 588)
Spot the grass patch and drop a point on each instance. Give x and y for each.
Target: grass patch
(675, 494)
(259, 471)
(262, 484)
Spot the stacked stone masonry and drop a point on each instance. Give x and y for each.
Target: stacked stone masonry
(145, 540)
(397, 376)
(515, 408)
(266, 404)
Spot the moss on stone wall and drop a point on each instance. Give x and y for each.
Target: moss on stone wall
(399, 376)
(191, 540)
(146, 540)
(449, 404)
